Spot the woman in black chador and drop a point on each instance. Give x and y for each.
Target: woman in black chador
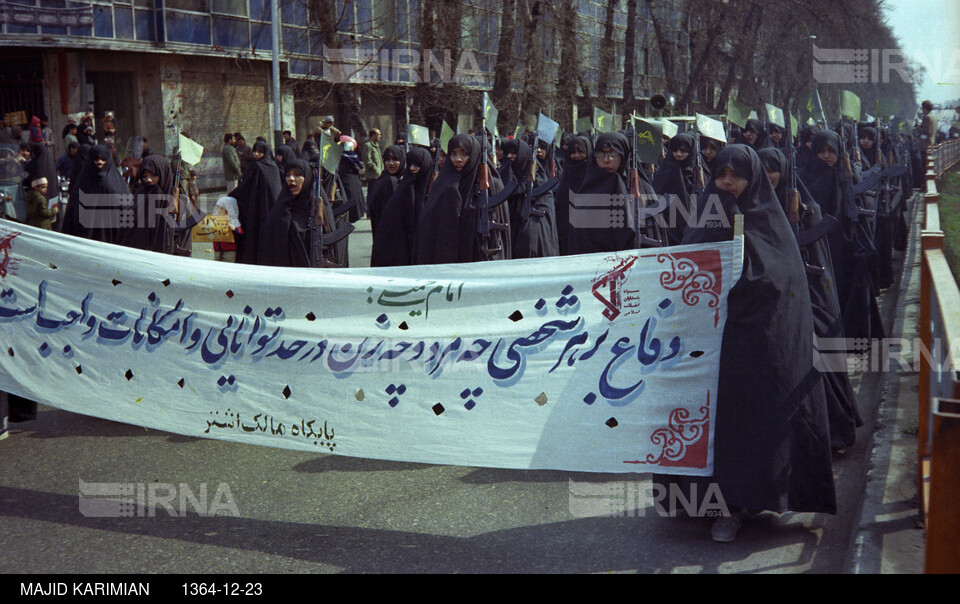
(805, 154)
(754, 135)
(349, 172)
(256, 194)
(674, 179)
(70, 222)
(383, 188)
(532, 222)
(851, 246)
(98, 176)
(285, 235)
(827, 318)
(447, 227)
(284, 155)
(577, 157)
(150, 230)
(395, 237)
(606, 175)
(772, 439)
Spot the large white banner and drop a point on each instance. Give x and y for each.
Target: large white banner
(601, 362)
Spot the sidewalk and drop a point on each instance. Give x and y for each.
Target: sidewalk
(890, 538)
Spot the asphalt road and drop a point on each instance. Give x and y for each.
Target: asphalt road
(310, 513)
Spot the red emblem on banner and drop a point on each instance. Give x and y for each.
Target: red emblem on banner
(8, 264)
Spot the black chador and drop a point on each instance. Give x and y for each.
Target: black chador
(447, 227)
(578, 155)
(285, 235)
(99, 176)
(256, 194)
(827, 318)
(674, 181)
(851, 245)
(532, 218)
(395, 238)
(772, 448)
(611, 150)
(152, 203)
(383, 188)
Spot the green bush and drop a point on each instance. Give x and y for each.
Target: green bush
(949, 187)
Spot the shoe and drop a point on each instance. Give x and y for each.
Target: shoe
(725, 528)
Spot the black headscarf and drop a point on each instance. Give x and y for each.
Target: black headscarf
(255, 195)
(380, 190)
(784, 139)
(762, 140)
(285, 236)
(308, 150)
(772, 448)
(394, 240)
(869, 156)
(286, 154)
(150, 230)
(805, 156)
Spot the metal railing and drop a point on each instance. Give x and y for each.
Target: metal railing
(938, 432)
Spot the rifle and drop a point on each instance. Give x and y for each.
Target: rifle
(483, 191)
(436, 165)
(170, 238)
(316, 221)
(526, 208)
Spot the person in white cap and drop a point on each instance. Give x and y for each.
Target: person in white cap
(39, 213)
(326, 127)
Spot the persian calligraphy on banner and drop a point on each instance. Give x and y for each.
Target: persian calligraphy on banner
(599, 362)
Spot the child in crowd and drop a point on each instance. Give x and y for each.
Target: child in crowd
(227, 251)
(39, 214)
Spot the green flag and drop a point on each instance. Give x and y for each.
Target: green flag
(775, 115)
(602, 120)
(649, 140)
(738, 113)
(190, 151)
(711, 128)
(446, 133)
(330, 153)
(669, 128)
(814, 108)
(490, 114)
(492, 121)
(487, 106)
(464, 123)
(888, 107)
(418, 135)
(518, 131)
(584, 124)
(794, 125)
(558, 139)
(849, 105)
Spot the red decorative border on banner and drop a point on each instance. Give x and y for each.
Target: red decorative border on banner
(696, 275)
(684, 442)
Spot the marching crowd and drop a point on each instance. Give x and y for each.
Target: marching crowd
(812, 268)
